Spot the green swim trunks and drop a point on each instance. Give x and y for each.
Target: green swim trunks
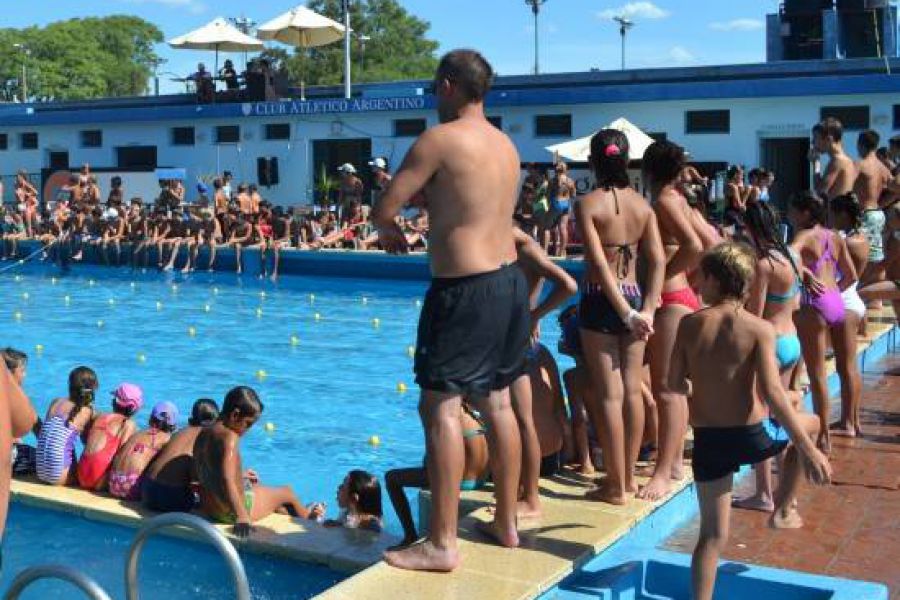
(229, 518)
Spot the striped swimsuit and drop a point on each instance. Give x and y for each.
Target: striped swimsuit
(55, 448)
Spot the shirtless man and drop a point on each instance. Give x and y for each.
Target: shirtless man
(17, 418)
(840, 176)
(533, 392)
(728, 418)
(255, 199)
(228, 494)
(168, 479)
(871, 180)
(475, 322)
(663, 163)
(244, 200)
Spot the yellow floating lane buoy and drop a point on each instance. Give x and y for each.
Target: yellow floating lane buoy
(67, 299)
(270, 427)
(312, 297)
(262, 295)
(259, 313)
(39, 348)
(317, 317)
(99, 324)
(141, 358)
(418, 303)
(207, 308)
(411, 351)
(17, 315)
(215, 290)
(91, 282)
(365, 300)
(112, 302)
(53, 280)
(401, 387)
(192, 331)
(261, 374)
(376, 322)
(133, 285)
(18, 278)
(25, 296)
(295, 341)
(159, 305)
(374, 440)
(174, 288)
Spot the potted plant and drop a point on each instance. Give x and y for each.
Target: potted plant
(325, 185)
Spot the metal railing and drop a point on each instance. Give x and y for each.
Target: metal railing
(87, 585)
(212, 535)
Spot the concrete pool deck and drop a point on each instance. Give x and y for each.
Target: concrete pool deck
(339, 549)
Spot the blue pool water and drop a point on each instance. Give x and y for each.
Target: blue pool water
(171, 569)
(326, 396)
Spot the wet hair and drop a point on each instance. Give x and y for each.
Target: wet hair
(204, 412)
(469, 70)
(733, 265)
(848, 204)
(82, 390)
(829, 127)
(809, 202)
(368, 491)
(162, 425)
(761, 223)
(868, 141)
(609, 159)
(242, 399)
(14, 358)
(663, 162)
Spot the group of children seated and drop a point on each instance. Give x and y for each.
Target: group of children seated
(168, 469)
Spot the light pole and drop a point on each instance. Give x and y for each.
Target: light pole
(536, 9)
(624, 25)
(362, 51)
(156, 63)
(347, 93)
(25, 53)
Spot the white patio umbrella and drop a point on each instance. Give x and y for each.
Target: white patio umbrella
(302, 28)
(217, 35)
(580, 149)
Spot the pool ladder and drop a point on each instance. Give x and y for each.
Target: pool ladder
(93, 590)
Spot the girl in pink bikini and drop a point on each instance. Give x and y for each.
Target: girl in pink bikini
(828, 271)
(139, 451)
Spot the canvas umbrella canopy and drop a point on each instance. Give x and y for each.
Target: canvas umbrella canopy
(302, 28)
(217, 35)
(579, 150)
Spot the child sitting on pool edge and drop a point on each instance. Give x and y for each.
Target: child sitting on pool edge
(106, 435)
(139, 451)
(359, 498)
(227, 494)
(727, 416)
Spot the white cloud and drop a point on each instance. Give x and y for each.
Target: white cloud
(639, 10)
(193, 6)
(737, 25)
(680, 55)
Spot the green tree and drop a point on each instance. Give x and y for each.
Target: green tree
(81, 58)
(398, 47)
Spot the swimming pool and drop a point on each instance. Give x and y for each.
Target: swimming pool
(171, 569)
(326, 370)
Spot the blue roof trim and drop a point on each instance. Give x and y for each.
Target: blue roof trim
(599, 94)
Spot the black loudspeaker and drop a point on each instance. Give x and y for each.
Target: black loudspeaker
(267, 171)
(273, 170)
(262, 171)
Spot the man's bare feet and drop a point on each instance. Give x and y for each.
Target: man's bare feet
(658, 486)
(504, 537)
(404, 543)
(678, 471)
(754, 502)
(824, 442)
(528, 510)
(587, 469)
(423, 556)
(605, 494)
(789, 519)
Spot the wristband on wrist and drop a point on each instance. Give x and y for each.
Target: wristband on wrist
(632, 314)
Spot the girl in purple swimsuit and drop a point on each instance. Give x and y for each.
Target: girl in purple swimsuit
(827, 271)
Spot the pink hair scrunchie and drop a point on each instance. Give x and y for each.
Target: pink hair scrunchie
(612, 150)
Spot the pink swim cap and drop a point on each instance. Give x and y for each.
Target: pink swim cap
(129, 396)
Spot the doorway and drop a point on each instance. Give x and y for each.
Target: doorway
(787, 158)
(330, 154)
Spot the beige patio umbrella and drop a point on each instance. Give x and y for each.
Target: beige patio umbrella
(217, 35)
(302, 28)
(579, 150)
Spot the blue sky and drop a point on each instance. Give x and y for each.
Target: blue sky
(575, 34)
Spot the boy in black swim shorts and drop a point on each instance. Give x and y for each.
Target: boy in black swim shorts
(727, 354)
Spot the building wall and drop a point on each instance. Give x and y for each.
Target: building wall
(751, 119)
